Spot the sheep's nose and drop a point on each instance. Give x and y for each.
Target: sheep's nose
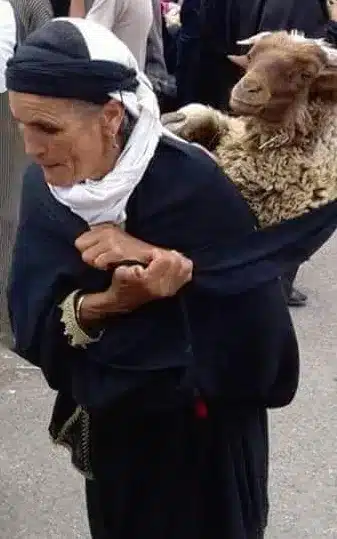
(252, 86)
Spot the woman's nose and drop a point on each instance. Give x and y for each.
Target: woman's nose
(33, 144)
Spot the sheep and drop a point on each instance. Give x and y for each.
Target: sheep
(280, 148)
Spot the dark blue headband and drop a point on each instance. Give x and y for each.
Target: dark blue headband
(45, 72)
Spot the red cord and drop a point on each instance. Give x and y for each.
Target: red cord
(201, 410)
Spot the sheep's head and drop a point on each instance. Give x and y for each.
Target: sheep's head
(281, 71)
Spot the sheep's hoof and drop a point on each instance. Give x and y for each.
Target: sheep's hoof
(194, 123)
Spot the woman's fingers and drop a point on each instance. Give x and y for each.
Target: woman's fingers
(172, 268)
(164, 276)
(90, 238)
(108, 244)
(93, 254)
(129, 274)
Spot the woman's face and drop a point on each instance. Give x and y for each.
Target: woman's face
(71, 141)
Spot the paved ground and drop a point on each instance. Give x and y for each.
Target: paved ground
(41, 496)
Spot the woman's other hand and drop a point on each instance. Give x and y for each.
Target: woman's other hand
(106, 245)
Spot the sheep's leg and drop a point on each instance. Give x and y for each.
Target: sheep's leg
(197, 123)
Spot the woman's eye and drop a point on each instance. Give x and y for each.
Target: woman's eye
(42, 128)
(49, 129)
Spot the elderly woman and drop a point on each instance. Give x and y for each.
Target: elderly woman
(162, 388)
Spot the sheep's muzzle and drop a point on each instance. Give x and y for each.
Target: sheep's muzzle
(249, 95)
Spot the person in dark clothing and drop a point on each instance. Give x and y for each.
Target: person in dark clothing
(60, 7)
(331, 28)
(217, 26)
(188, 50)
(163, 389)
(188, 53)
(157, 66)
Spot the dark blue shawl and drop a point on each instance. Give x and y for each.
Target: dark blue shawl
(228, 333)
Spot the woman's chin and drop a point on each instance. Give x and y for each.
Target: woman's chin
(57, 176)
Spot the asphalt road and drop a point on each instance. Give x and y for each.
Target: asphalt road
(41, 496)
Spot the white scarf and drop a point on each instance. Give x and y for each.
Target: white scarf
(105, 200)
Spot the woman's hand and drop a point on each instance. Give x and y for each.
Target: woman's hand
(166, 272)
(133, 286)
(106, 245)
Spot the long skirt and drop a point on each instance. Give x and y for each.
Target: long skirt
(178, 474)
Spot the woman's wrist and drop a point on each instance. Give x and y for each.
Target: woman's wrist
(78, 334)
(83, 315)
(95, 308)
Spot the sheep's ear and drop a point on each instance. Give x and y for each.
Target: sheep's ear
(253, 39)
(325, 84)
(239, 60)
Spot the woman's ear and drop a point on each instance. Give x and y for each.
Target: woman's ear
(112, 115)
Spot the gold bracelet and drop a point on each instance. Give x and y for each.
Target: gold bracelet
(72, 329)
(78, 304)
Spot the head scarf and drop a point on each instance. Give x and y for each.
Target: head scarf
(79, 59)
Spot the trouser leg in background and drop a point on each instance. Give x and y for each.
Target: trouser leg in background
(155, 68)
(188, 53)
(294, 297)
(288, 281)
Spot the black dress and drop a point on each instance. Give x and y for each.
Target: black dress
(176, 392)
(172, 474)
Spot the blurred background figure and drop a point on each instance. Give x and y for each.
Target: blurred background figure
(60, 8)
(142, 26)
(129, 20)
(17, 19)
(160, 50)
(188, 52)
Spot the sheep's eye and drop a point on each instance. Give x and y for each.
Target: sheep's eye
(291, 75)
(305, 75)
(249, 57)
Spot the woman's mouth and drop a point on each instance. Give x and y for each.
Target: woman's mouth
(50, 168)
